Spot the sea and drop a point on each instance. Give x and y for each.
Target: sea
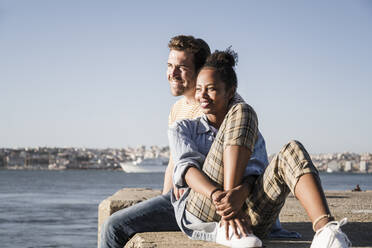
(60, 208)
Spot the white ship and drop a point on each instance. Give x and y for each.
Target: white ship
(147, 165)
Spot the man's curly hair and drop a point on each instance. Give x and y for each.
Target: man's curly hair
(198, 47)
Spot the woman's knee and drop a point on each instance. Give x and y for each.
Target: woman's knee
(293, 145)
(295, 161)
(295, 151)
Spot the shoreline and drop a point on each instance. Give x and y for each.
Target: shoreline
(120, 169)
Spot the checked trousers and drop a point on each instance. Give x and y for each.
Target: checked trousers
(270, 190)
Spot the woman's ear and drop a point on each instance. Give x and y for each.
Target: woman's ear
(231, 93)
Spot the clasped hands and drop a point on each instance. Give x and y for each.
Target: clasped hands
(229, 205)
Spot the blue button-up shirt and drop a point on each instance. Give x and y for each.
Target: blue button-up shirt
(190, 141)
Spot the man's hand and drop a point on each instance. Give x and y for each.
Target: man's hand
(178, 192)
(240, 225)
(228, 203)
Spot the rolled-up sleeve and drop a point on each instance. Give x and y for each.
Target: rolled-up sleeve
(184, 152)
(258, 161)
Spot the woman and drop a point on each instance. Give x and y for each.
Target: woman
(224, 202)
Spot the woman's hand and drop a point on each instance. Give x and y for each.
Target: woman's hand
(240, 225)
(228, 203)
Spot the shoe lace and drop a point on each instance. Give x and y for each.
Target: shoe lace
(337, 229)
(340, 224)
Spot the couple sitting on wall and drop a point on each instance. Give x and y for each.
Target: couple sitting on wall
(219, 186)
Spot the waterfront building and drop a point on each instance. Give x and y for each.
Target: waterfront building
(363, 166)
(347, 166)
(333, 166)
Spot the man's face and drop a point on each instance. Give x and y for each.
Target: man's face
(181, 73)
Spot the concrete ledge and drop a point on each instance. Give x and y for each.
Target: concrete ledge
(356, 206)
(166, 239)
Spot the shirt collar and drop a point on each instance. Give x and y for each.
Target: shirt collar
(204, 127)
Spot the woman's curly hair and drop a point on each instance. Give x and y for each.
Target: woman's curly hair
(224, 62)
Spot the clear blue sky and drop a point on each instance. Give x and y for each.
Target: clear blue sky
(93, 73)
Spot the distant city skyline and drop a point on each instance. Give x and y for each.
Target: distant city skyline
(92, 73)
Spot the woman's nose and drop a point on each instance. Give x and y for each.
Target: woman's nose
(204, 93)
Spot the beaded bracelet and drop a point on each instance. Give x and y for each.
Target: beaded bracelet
(330, 217)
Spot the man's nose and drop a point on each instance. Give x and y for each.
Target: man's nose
(174, 71)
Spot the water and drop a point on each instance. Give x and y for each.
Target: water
(59, 208)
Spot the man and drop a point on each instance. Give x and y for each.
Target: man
(187, 55)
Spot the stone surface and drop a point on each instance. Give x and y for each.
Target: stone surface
(356, 206)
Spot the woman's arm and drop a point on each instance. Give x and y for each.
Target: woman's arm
(185, 156)
(230, 202)
(235, 160)
(199, 182)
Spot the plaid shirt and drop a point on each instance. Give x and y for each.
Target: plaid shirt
(191, 140)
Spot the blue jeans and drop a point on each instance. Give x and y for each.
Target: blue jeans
(153, 215)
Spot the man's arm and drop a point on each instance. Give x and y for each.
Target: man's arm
(168, 183)
(168, 175)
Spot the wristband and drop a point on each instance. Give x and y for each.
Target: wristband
(214, 191)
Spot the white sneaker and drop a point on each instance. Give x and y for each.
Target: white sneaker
(331, 236)
(244, 242)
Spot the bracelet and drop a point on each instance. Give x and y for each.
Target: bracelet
(214, 191)
(330, 217)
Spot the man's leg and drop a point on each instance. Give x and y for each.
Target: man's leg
(153, 215)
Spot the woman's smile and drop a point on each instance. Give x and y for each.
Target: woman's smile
(212, 95)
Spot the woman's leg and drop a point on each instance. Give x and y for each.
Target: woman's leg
(311, 196)
(290, 171)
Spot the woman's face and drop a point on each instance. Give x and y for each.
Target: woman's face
(211, 93)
